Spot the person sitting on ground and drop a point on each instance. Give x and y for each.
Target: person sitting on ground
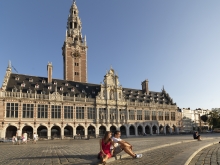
(121, 145)
(105, 144)
(14, 139)
(196, 136)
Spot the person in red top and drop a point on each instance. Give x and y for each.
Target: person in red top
(105, 144)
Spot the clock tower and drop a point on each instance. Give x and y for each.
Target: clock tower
(74, 49)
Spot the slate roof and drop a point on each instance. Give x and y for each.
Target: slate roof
(71, 88)
(40, 84)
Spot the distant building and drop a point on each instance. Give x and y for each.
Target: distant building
(70, 107)
(191, 119)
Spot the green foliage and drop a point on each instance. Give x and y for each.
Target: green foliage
(214, 118)
(204, 118)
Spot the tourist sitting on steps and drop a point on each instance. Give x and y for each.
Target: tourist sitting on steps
(196, 136)
(121, 145)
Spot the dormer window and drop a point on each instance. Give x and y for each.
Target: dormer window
(72, 90)
(23, 84)
(30, 79)
(61, 88)
(43, 81)
(36, 86)
(29, 90)
(14, 89)
(77, 85)
(68, 94)
(49, 87)
(55, 83)
(66, 84)
(131, 92)
(83, 91)
(93, 92)
(17, 78)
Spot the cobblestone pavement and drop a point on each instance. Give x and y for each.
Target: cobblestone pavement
(82, 152)
(207, 156)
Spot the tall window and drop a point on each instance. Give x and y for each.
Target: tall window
(91, 113)
(167, 115)
(160, 115)
(147, 115)
(113, 114)
(28, 110)
(79, 112)
(42, 111)
(139, 114)
(102, 113)
(12, 110)
(154, 115)
(122, 114)
(68, 112)
(56, 111)
(131, 115)
(172, 115)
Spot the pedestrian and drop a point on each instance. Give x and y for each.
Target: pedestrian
(18, 135)
(35, 138)
(121, 145)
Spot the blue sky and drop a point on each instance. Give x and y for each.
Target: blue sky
(171, 43)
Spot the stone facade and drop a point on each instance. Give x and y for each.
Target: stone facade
(71, 107)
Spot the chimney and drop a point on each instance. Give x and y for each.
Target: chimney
(145, 86)
(49, 72)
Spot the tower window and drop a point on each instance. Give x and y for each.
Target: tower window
(77, 73)
(74, 12)
(75, 25)
(71, 25)
(76, 64)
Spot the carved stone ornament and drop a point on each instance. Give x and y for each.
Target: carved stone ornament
(76, 51)
(56, 96)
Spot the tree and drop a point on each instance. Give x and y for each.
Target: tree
(214, 118)
(204, 118)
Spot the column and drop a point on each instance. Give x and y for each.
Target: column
(127, 131)
(97, 114)
(62, 132)
(107, 115)
(49, 133)
(164, 129)
(136, 130)
(86, 132)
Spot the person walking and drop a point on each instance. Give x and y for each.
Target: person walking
(35, 138)
(121, 145)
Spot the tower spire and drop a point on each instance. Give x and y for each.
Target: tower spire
(74, 48)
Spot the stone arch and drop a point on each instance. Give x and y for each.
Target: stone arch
(102, 130)
(140, 130)
(123, 130)
(131, 130)
(80, 130)
(55, 132)
(167, 129)
(91, 131)
(147, 129)
(113, 129)
(161, 129)
(29, 130)
(42, 131)
(68, 131)
(10, 131)
(154, 129)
